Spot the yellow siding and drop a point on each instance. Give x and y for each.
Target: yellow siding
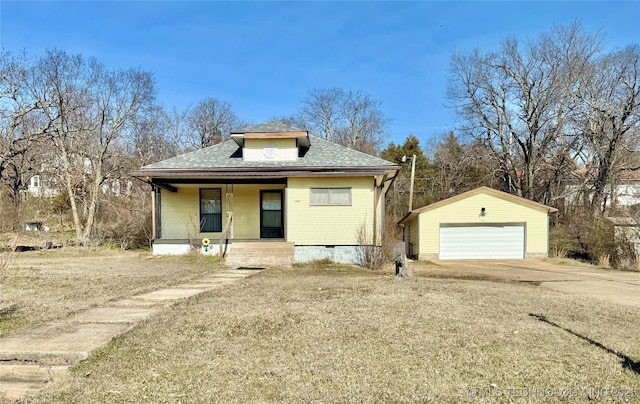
(181, 211)
(254, 149)
(413, 236)
(246, 210)
(498, 210)
(328, 225)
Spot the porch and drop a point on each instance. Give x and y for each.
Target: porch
(243, 223)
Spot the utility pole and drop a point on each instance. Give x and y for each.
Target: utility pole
(413, 173)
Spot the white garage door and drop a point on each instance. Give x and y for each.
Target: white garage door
(482, 242)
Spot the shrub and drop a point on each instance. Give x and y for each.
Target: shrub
(604, 261)
(6, 257)
(376, 256)
(124, 221)
(593, 239)
(368, 255)
(627, 264)
(585, 237)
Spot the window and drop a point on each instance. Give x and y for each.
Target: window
(210, 210)
(330, 196)
(35, 180)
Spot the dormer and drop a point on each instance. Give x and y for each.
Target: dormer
(271, 141)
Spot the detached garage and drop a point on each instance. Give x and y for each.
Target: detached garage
(480, 224)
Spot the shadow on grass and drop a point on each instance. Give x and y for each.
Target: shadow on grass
(627, 362)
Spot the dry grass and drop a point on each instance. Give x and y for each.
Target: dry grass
(6, 258)
(604, 261)
(329, 333)
(52, 284)
(568, 262)
(629, 264)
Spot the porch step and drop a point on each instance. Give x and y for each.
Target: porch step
(261, 254)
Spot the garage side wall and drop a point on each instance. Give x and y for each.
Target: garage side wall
(497, 210)
(412, 237)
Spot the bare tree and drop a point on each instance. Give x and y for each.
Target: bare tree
(518, 102)
(211, 120)
(320, 109)
(156, 135)
(460, 167)
(89, 110)
(609, 120)
(20, 128)
(293, 120)
(350, 118)
(363, 122)
(176, 128)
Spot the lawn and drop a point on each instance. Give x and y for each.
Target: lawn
(331, 333)
(52, 284)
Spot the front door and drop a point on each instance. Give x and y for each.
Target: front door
(271, 214)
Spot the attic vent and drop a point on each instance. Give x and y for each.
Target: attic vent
(270, 151)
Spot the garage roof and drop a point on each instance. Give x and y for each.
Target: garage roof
(481, 190)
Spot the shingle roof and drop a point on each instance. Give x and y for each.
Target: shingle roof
(268, 127)
(227, 155)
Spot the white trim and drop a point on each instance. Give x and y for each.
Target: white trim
(171, 249)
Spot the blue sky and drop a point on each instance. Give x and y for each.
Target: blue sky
(262, 57)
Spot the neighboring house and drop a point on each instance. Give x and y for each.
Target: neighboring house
(270, 182)
(44, 184)
(625, 192)
(480, 224)
(627, 189)
(626, 229)
(116, 187)
(40, 187)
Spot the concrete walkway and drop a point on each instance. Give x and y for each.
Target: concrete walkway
(35, 357)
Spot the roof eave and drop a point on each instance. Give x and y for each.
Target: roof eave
(410, 215)
(262, 172)
(491, 191)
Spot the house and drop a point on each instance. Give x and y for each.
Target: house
(624, 192)
(46, 182)
(626, 230)
(270, 187)
(41, 188)
(480, 224)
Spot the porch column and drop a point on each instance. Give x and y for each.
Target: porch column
(156, 212)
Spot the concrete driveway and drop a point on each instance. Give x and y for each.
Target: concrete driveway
(611, 285)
